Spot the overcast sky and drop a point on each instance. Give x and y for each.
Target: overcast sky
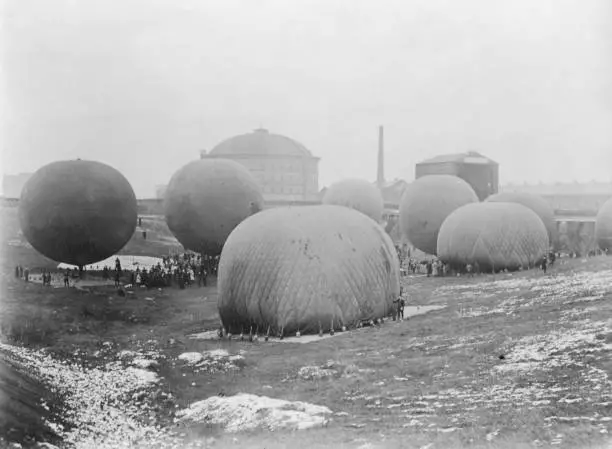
(143, 85)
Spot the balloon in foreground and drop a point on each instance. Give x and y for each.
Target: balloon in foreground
(603, 226)
(206, 199)
(535, 203)
(77, 212)
(497, 236)
(425, 205)
(357, 194)
(301, 268)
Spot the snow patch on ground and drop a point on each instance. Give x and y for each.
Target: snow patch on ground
(105, 407)
(555, 349)
(248, 412)
(555, 372)
(218, 360)
(315, 373)
(578, 287)
(191, 358)
(145, 364)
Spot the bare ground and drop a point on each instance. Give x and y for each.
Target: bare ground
(517, 360)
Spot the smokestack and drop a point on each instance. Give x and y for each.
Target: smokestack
(380, 178)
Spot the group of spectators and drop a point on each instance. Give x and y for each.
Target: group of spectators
(435, 267)
(46, 276)
(182, 270)
(430, 267)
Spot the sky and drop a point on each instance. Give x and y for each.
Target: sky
(144, 85)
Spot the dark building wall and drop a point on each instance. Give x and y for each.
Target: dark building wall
(445, 168)
(484, 179)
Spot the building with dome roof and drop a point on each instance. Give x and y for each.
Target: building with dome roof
(286, 170)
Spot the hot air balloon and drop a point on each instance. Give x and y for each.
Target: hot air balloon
(305, 269)
(495, 235)
(425, 205)
(535, 203)
(357, 194)
(77, 212)
(206, 199)
(603, 226)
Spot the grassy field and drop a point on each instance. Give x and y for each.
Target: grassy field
(511, 361)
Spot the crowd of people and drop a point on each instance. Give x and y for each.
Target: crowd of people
(182, 270)
(436, 268)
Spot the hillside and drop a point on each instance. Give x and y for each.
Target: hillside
(509, 361)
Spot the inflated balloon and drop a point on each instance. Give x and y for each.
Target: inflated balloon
(357, 194)
(495, 235)
(305, 269)
(77, 212)
(535, 203)
(206, 199)
(603, 226)
(425, 205)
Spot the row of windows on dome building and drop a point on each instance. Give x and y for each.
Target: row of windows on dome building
(284, 190)
(283, 178)
(281, 187)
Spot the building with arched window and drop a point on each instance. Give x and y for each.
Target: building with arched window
(286, 170)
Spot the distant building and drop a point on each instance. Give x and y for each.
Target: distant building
(13, 184)
(579, 198)
(160, 191)
(477, 170)
(286, 170)
(392, 192)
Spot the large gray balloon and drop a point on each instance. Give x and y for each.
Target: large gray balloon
(357, 194)
(77, 212)
(603, 226)
(496, 235)
(425, 205)
(535, 203)
(206, 199)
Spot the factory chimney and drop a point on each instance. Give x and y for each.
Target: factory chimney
(380, 178)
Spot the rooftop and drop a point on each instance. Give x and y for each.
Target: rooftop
(471, 157)
(260, 143)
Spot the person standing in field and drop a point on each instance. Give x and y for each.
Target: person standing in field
(552, 258)
(468, 268)
(66, 279)
(203, 275)
(400, 305)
